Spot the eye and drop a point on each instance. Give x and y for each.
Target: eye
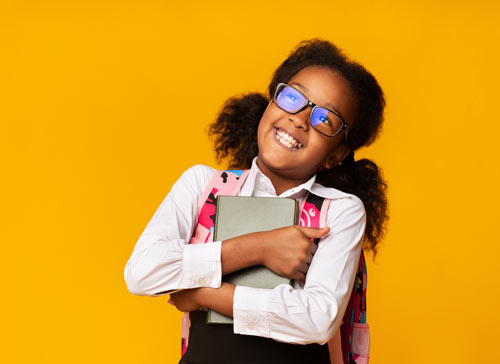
(290, 100)
(321, 119)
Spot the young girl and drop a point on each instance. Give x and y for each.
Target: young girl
(300, 139)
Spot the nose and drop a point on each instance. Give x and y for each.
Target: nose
(301, 119)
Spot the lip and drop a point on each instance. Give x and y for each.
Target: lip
(292, 134)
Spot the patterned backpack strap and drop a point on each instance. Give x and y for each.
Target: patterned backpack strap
(313, 211)
(355, 330)
(224, 183)
(353, 345)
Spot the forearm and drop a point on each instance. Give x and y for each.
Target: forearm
(242, 252)
(217, 299)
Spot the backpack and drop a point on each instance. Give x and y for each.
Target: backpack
(351, 344)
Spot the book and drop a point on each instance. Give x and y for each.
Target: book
(239, 215)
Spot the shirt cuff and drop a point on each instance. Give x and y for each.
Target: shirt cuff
(201, 265)
(250, 313)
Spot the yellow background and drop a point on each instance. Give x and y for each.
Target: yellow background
(97, 122)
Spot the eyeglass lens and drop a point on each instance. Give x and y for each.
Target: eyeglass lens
(292, 101)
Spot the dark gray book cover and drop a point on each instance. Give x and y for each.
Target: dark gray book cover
(239, 215)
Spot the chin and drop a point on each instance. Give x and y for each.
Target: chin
(276, 165)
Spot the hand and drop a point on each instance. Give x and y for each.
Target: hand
(289, 251)
(186, 300)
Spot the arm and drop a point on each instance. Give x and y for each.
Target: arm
(162, 260)
(287, 251)
(312, 314)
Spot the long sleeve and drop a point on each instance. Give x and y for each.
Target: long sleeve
(312, 314)
(162, 260)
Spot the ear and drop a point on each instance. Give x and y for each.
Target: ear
(337, 156)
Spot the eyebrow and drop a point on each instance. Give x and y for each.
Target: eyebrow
(328, 105)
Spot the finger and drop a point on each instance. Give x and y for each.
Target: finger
(313, 248)
(299, 276)
(314, 233)
(303, 268)
(310, 255)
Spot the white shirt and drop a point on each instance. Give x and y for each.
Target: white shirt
(163, 261)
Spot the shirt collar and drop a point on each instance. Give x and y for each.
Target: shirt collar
(257, 180)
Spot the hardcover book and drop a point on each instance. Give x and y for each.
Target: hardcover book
(238, 215)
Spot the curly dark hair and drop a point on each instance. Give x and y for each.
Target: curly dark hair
(235, 130)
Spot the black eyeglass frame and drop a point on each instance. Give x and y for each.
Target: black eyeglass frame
(314, 106)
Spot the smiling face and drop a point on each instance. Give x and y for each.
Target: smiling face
(290, 150)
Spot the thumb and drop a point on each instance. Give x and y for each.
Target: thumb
(314, 233)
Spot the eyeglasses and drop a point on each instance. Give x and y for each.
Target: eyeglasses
(325, 121)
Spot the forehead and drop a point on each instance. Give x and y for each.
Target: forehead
(327, 88)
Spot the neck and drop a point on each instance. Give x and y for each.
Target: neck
(280, 182)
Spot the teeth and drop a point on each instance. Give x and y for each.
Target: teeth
(287, 140)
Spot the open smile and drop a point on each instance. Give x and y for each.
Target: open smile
(286, 140)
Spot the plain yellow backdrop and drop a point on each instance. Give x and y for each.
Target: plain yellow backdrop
(98, 120)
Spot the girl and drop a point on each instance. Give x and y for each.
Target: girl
(300, 139)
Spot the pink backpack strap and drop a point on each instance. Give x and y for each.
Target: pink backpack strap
(313, 211)
(351, 344)
(223, 183)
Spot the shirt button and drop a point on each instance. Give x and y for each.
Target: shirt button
(251, 326)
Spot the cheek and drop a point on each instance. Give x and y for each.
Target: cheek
(260, 133)
(260, 128)
(265, 124)
(324, 149)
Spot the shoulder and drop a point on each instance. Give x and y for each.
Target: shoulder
(198, 172)
(349, 207)
(195, 178)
